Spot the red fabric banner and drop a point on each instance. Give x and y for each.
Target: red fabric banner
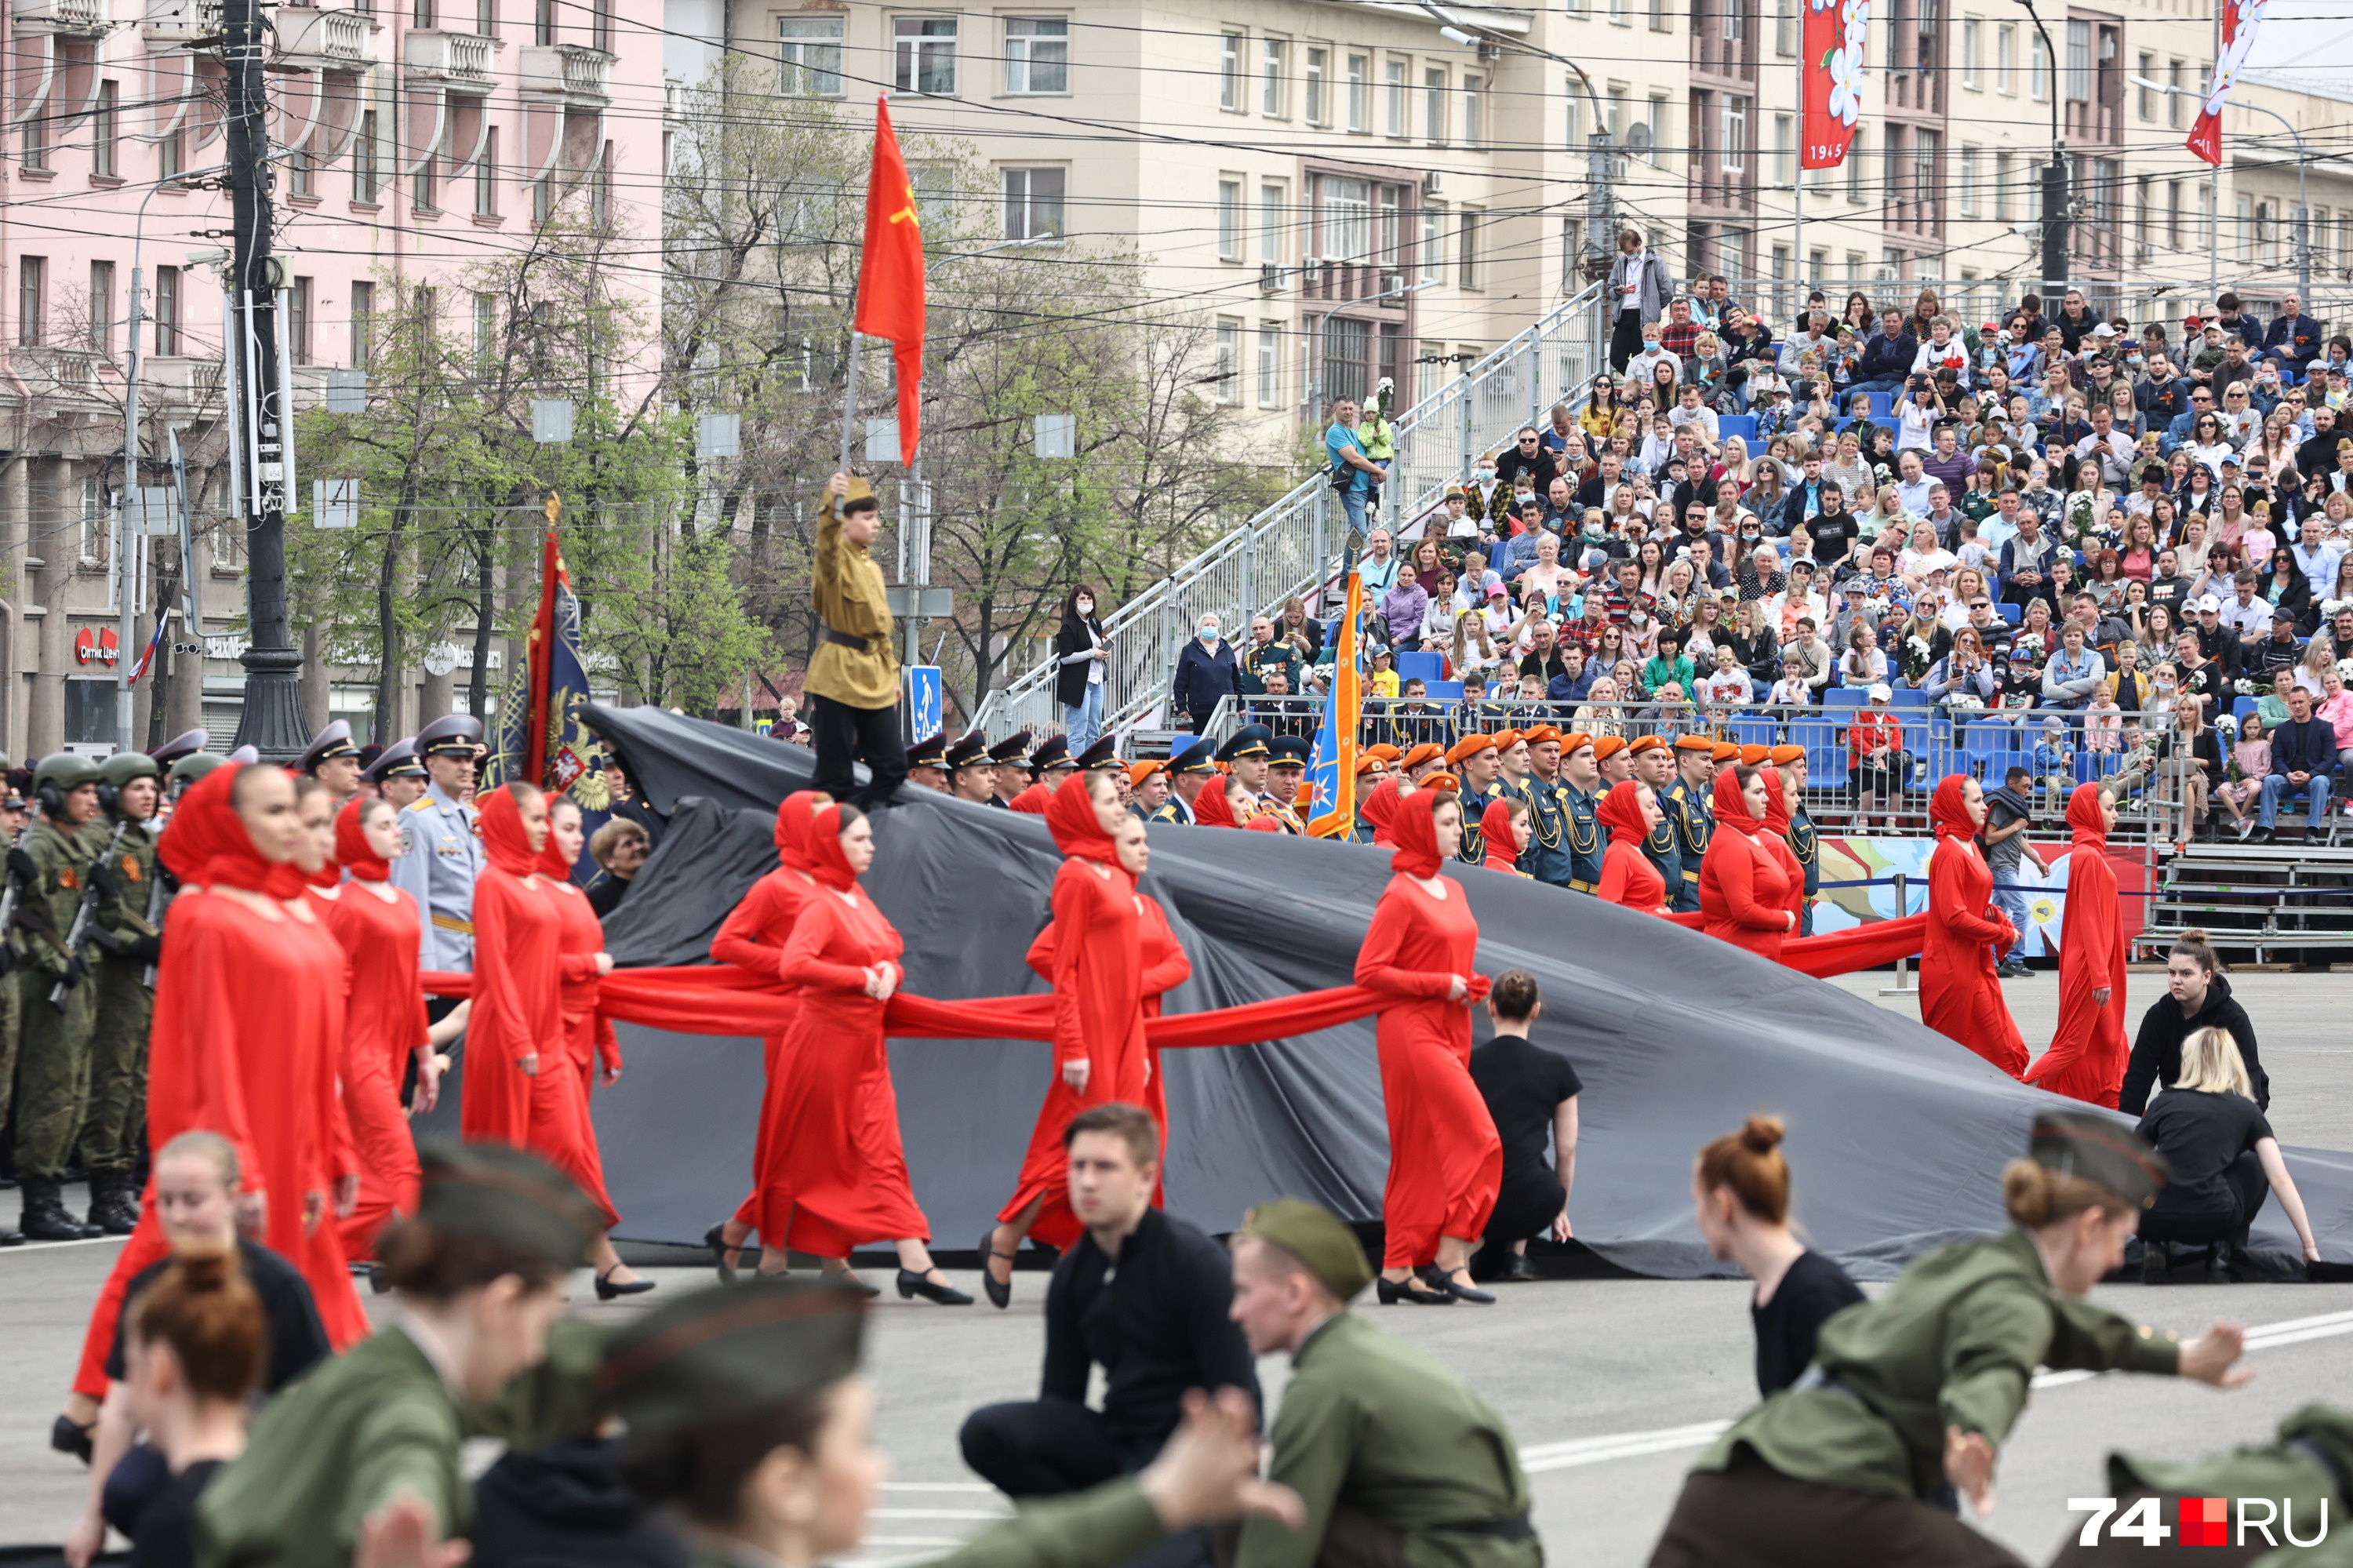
(890, 274)
(1831, 79)
(2240, 20)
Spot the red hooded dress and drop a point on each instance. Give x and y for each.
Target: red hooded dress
(838, 1180)
(245, 1043)
(1743, 894)
(517, 997)
(1446, 1162)
(1211, 808)
(1627, 877)
(561, 1131)
(1495, 827)
(1380, 809)
(383, 1024)
(2090, 1048)
(1960, 995)
(1777, 822)
(1098, 1004)
(753, 937)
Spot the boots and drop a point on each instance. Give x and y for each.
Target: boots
(114, 1207)
(46, 1217)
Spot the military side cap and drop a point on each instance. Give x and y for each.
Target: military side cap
(399, 761)
(730, 1351)
(1695, 743)
(1201, 756)
(1642, 743)
(1469, 746)
(195, 766)
(507, 1196)
(1751, 755)
(1783, 756)
(1317, 1238)
(1606, 746)
(971, 748)
(1251, 740)
(65, 770)
(334, 741)
(185, 744)
(1290, 750)
(453, 735)
(1723, 751)
(1013, 751)
(931, 751)
(1103, 753)
(1427, 751)
(2101, 1150)
(1052, 752)
(124, 766)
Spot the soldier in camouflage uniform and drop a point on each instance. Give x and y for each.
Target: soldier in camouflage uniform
(53, 1063)
(11, 827)
(128, 946)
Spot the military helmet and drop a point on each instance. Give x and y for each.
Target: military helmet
(124, 766)
(63, 771)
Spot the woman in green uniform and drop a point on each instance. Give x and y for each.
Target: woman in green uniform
(479, 1275)
(1864, 1459)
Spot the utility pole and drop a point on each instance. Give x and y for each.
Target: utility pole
(2055, 174)
(272, 722)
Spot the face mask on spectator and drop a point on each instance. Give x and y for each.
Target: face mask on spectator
(1209, 632)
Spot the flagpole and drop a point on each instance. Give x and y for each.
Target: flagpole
(850, 392)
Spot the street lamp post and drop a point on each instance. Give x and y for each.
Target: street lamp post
(2303, 208)
(2054, 173)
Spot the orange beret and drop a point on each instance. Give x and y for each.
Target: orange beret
(1607, 747)
(1785, 755)
(1446, 782)
(1385, 751)
(1694, 743)
(1750, 756)
(1469, 746)
(1539, 734)
(1724, 751)
(1367, 763)
(1507, 738)
(1137, 772)
(1646, 743)
(1571, 742)
(1427, 751)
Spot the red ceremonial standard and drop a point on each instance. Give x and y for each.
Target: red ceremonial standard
(2240, 20)
(1836, 31)
(890, 274)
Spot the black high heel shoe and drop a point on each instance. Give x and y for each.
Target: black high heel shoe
(609, 1289)
(1439, 1279)
(912, 1285)
(715, 1238)
(999, 1296)
(1389, 1292)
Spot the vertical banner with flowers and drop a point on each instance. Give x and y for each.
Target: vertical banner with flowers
(1830, 71)
(2240, 20)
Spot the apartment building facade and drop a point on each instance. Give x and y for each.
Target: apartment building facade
(416, 142)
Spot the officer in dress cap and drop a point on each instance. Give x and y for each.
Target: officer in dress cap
(1048, 766)
(972, 776)
(246, 755)
(1011, 755)
(927, 763)
(334, 759)
(1246, 756)
(1189, 771)
(1103, 755)
(1286, 767)
(183, 744)
(442, 851)
(398, 774)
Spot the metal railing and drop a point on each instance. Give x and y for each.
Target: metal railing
(1973, 302)
(1293, 546)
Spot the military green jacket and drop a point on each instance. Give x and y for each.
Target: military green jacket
(64, 861)
(1953, 1344)
(1371, 1423)
(2295, 1473)
(131, 872)
(357, 1433)
(1109, 1525)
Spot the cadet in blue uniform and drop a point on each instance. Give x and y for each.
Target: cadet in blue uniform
(1190, 770)
(1654, 764)
(334, 759)
(1472, 758)
(1580, 792)
(441, 849)
(971, 775)
(1246, 756)
(1286, 769)
(927, 763)
(1546, 858)
(1690, 809)
(1011, 755)
(1804, 842)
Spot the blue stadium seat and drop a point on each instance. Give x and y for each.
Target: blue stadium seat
(1443, 691)
(1756, 732)
(1882, 403)
(1423, 666)
(1990, 746)
(2243, 707)
(1907, 698)
(1741, 425)
(2010, 613)
(1846, 696)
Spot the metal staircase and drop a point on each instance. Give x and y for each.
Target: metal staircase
(1293, 546)
(2264, 902)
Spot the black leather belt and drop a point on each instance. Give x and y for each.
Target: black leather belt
(1515, 1528)
(843, 640)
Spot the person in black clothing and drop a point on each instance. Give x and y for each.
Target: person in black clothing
(620, 846)
(2224, 1157)
(197, 1342)
(1740, 1193)
(2197, 998)
(1143, 1294)
(1530, 1093)
(1527, 454)
(1833, 529)
(628, 803)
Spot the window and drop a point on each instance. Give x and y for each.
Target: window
(1394, 118)
(1270, 365)
(1784, 28)
(1347, 219)
(1271, 222)
(1969, 182)
(2173, 214)
(1891, 170)
(1854, 161)
(1347, 358)
(1466, 251)
(1360, 92)
(1433, 108)
(1971, 27)
(543, 22)
(1315, 111)
(1474, 104)
(421, 184)
(926, 49)
(2038, 69)
(1736, 19)
(103, 123)
(1575, 143)
(2267, 234)
(808, 57)
(301, 174)
(1434, 243)
(2140, 214)
(2243, 232)
(486, 19)
(1658, 122)
(171, 156)
(1230, 220)
(1033, 203)
(1270, 78)
(2146, 97)
(2005, 60)
(1927, 37)
(1618, 16)
(1226, 383)
(486, 176)
(363, 317)
(167, 311)
(2079, 62)
(1038, 59)
(2002, 178)
(1735, 136)
(2173, 100)
(101, 306)
(1388, 238)
(1925, 144)
(31, 299)
(486, 330)
(1229, 72)
(421, 14)
(1430, 369)
(1660, 22)
(366, 182)
(1785, 152)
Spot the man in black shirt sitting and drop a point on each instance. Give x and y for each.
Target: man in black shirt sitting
(1145, 1295)
(1530, 1092)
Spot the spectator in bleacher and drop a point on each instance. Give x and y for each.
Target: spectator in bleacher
(1402, 609)
(2026, 561)
(1887, 358)
(2304, 761)
(1863, 664)
(2279, 650)
(1378, 564)
(2195, 770)
(2251, 764)
(2074, 673)
(2271, 706)
(1793, 689)
(1266, 652)
(1964, 672)
(2292, 338)
(1876, 758)
(1207, 671)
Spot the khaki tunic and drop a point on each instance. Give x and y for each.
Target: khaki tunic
(2299, 1472)
(846, 587)
(1110, 1525)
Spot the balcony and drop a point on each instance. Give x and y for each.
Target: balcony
(311, 40)
(459, 61)
(577, 74)
(73, 19)
(181, 24)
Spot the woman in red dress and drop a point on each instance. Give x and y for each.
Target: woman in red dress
(1743, 894)
(840, 1177)
(1630, 811)
(1214, 808)
(753, 937)
(1504, 825)
(1780, 805)
(1960, 996)
(1099, 1051)
(1446, 1162)
(244, 1042)
(517, 998)
(2089, 1049)
(561, 1131)
(319, 883)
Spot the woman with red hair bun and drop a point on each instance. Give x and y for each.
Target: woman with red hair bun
(2089, 1050)
(1098, 1047)
(1446, 1161)
(1630, 811)
(1960, 995)
(518, 1015)
(1744, 892)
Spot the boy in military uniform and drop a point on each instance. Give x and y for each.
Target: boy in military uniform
(1286, 769)
(128, 925)
(334, 759)
(971, 775)
(1546, 858)
(398, 774)
(1690, 807)
(56, 1003)
(1245, 756)
(1654, 764)
(1582, 788)
(1472, 758)
(853, 675)
(1011, 755)
(1189, 772)
(927, 763)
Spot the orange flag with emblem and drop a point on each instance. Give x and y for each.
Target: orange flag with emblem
(890, 274)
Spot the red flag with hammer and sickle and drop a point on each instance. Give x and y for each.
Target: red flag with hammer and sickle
(890, 274)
